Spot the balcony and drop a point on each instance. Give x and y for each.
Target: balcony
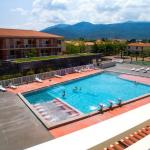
(33, 46)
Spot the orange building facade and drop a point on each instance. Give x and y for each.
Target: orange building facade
(19, 43)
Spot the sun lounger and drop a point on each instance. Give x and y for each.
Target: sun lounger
(12, 86)
(144, 71)
(44, 113)
(39, 107)
(58, 76)
(119, 60)
(41, 110)
(142, 68)
(133, 69)
(36, 105)
(2, 89)
(38, 80)
(137, 70)
(47, 117)
(78, 71)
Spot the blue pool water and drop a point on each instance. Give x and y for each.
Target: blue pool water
(90, 91)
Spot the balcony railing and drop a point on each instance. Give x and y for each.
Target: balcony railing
(34, 46)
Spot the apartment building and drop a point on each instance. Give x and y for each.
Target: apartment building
(138, 47)
(16, 43)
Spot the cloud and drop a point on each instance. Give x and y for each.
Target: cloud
(20, 10)
(49, 12)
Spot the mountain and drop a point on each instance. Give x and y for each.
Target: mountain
(127, 30)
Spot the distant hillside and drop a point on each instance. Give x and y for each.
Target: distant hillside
(127, 30)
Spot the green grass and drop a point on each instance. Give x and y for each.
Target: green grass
(21, 60)
(146, 63)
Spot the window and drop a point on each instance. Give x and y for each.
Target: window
(12, 53)
(59, 41)
(29, 42)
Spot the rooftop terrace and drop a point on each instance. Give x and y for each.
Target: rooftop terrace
(18, 123)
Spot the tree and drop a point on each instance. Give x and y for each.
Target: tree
(72, 49)
(95, 48)
(122, 48)
(81, 39)
(145, 53)
(102, 48)
(32, 53)
(82, 47)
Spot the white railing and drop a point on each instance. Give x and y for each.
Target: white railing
(45, 75)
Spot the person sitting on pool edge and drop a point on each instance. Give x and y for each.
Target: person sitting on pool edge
(101, 107)
(110, 105)
(119, 102)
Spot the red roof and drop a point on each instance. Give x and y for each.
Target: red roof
(26, 33)
(139, 44)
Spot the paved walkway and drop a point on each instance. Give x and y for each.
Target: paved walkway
(126, 68)
(61, 131)
(19, 128)
(136, 78)
(52, 81)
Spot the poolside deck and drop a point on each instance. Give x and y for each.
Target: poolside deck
(63, 130)
(126, 69)
(54, 80)
(136, 78)
(72, 127)
(60, 131)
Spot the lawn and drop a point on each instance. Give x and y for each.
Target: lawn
(21, 60)
(146, 63)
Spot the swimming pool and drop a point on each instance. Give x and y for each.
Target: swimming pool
(86, 93)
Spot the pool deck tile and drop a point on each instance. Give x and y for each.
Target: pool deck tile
(136, 78)
(72, 127)
(51, 81)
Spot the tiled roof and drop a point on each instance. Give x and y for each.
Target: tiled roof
(140, 44)
(89, 43)
(25, 33)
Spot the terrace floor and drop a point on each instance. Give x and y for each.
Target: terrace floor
(19, 128)
(22, 114)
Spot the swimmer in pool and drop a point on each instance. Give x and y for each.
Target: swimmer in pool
(64, 94)
(75, 89)
(80, 89)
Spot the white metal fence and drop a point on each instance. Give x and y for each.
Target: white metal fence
(45, 75)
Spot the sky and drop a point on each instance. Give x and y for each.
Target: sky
(39, 14)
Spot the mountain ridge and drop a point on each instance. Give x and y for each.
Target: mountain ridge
(87, 30)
